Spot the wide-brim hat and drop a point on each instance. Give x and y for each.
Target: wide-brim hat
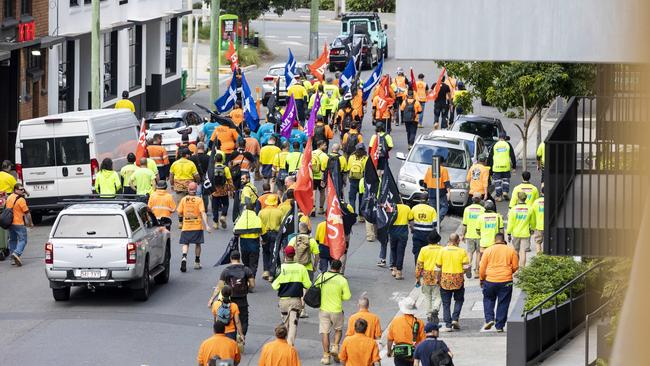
(407, 306)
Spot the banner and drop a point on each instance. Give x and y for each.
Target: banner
(373, 80)
(288, 118)
(304, 191)
(227, 101)
(433, 94)
(387, 200)
(318, 67)
(313, 115)
(334, 233)
(290, 70)
(231, 55)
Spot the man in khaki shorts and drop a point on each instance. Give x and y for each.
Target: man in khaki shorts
(334, 290)
(521, 222)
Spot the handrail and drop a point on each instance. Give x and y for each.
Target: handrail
(587, 318)
(561, 289)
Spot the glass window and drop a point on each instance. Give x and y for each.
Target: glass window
(74, 2)
(90, 226)
(470, 144)
(9, 9)
(110, 65)
(25, 7)
(164, 124)
(423, 154)
(133, 220)
(170, 45)
(485, 130)
(66, 77)
(72, 151)
(37, 153)
(135, 57)
(144, 216)
(373, 26)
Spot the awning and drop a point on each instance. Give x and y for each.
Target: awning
(11, 46)
(49, 41)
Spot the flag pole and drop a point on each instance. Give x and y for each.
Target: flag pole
(436, 169)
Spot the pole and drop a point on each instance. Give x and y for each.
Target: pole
(436, 175)
(295, 217)
(195, 66)
(190, 45)
(94, 58)
(215, 46)
(313, 30)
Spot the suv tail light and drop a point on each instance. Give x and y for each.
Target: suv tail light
(131, 253)
(19, 172)
(334, 52)
(364, 49)
(269, 78)
(49, 253)
(94, 168)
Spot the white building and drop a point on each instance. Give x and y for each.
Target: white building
(140, 45)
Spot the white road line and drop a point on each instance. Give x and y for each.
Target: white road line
(294, 37)
(292, 43)
(270, 36)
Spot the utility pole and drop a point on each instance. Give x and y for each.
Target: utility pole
(215, 49)
(190, 45)
(313, 30)
(94, 58)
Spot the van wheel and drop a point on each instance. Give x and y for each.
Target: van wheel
(142, 293)
(37, 217)
(163, 277)
(61, 294)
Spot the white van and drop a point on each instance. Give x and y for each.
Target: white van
(58, 156)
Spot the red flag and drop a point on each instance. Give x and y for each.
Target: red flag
(414, 86)
(433, 94)
(318, 67)
(232, 56)
(385, 100)
(373, 151)
(304, 192)
(334, 235)
(141, 149)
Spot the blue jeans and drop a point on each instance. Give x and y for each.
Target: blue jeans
(397, 250)
(383, 244)
(501, 183)
(421, 117)
(459, 298)
(444, 204)
(354, 196)
(17, 239)
(499, 294)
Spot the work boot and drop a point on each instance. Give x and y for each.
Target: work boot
(223, 221)
(393, 271)
(266, 275)
(334, 352)
(488, 325)
(398, 275)
(183, 264)
(455, 325)
(506, 195)
(498, 198)
(321, 211)
(16, 259)
(326, 359)
(215, 225)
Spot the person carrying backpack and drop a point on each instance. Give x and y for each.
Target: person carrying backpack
(223, 186)
(411, 109)
(432, 352)
(226, 311)
(322, 132)
(356, 167)
(307, 252)
(381, 143)
(241, 281)
(351, 139)
(319, 161)
(346, 117)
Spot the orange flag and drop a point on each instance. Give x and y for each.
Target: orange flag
(385, 99)
(304, 190)
(141, 149)
(318, 67)
(334, 234)
(232, 56)
(433, 94)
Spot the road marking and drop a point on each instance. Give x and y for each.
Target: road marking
(294, 37)
(292, 43)
(270, 36)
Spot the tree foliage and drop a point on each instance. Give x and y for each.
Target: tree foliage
(248, 10)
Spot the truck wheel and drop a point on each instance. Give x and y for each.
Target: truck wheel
(386, 51)
(61, 294)
(163, 277)
(142, 293)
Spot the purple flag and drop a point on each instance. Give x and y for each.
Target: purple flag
(312, 116)
(289, 116)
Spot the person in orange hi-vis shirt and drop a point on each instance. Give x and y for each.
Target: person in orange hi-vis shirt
(374, 324)
(192, 210)
(237, 114)
(279, 352)
(159, 155)
(421, 93)
(162, 204)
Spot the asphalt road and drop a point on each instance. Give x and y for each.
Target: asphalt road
(107, 327)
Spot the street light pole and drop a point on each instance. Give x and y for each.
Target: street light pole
(313, 30)
(94, 57)
(215, 47)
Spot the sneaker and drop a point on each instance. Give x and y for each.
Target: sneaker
(446, 329)
(393, 271)
(326, 359)
(222, 221)
(197, 265)
(499, 330)
(183, 264)
(16, 259)
(215, 225)
(266, 275)
(334, 352)
(455, 324)
(506, 196)
(488, 325)
(381, 263)
(303, 314)
(370, 239)
(420, 125)
(398, 275)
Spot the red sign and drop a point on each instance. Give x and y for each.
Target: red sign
(26, 31)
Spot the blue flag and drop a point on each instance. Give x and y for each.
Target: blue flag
(347, 77)
(290, 70)
(373, 80)
(250, 109)
(227, 101)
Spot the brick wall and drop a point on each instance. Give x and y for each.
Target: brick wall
(40, 11)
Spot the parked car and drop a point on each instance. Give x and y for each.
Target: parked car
(457, 160)
(366, 22)
(343, 46)
(275, 75)
(487, 127)
(107, 243)
(172, 124)
(58, 156)
(475, 142)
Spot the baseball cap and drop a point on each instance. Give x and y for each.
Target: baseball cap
(289, 251)
(430, 327)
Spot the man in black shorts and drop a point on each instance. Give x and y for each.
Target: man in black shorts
(192, 210)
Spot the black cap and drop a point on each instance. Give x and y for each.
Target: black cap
(434, 237)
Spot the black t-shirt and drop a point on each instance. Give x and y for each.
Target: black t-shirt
(424, 350)
(442, 94)
(236, 276)
(201, 161)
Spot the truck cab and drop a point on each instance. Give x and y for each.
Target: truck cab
(368, 23)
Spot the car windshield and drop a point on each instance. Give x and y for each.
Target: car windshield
(339, 42)
(276, 72)
(160, 124)
(423, 154)
(90, 226)
(486, 130)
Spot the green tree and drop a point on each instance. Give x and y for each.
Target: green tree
(523, 89)
(248, 10)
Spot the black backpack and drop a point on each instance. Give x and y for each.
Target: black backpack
(7, 215)
(408, 115)
(381, 146)
(347, 120)
(351, 143)
(319, 133)
(439, 357)
(238, 282)
(219, 175)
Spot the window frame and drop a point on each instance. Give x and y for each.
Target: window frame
(171, 46)
(9, 9)
(135, 51)
(111, 47)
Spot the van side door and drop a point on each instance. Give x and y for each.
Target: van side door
(73, 165)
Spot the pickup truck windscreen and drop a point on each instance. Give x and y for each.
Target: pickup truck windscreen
(91, 226)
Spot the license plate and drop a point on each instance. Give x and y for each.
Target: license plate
(39, 187)
(90, 274)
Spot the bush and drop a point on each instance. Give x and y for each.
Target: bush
(546, 274)
(386, 6)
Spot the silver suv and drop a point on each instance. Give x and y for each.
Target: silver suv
(107, 243)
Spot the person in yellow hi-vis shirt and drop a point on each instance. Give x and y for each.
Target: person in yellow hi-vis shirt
(125, 103)
(489, 224)
(538, 212)
(267, 154)
(107, 183)
(426, 276)
(525, 186)
(470, 234)
(399, 236)
(521, 222)
(422, 220)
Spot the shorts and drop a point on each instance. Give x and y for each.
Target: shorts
(317, 184)
(267, 171)
(191, 237)
(328, 321)
(381, 163)
(518, 242)
(472, 245)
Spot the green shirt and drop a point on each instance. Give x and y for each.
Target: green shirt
(538, 211)
(291, 281)
(489, 224)
(107, 183)
(144, 180)
(293, 161)
(470, 220)
(151, 165)
(531, 194)
(333, 292)
(127, 171)
(520, 221)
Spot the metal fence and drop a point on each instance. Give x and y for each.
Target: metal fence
(595, 175)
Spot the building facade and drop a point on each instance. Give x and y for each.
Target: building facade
(24, 73)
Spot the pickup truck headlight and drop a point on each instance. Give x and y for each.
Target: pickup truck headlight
(408, 179)
(460, 185)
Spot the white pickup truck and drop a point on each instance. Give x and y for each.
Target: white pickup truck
(107, 243)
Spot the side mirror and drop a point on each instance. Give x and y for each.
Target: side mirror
(400, 156)
(385, 26)
(507, 138)
(421, 183)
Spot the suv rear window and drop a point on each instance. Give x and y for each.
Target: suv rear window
(486, 130)
(160, 124)
(423, 154)
(90, 226)
(38, 153)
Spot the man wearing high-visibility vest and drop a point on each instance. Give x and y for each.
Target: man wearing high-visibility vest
(470, 234)
(421, 91)
(502, 160)
(538, 212)
(159, 155)
(525, 186)
(521, 222)
(162, 203)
